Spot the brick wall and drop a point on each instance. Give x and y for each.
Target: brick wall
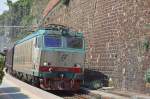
(115, 31)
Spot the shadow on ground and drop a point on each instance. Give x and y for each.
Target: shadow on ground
(12, 93)
(68, 93)
(9, 89)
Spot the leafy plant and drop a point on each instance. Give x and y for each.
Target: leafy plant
(147, 76)
(19, 14)
(146, 45)
(1, 68)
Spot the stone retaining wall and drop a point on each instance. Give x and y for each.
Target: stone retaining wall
(117, 33)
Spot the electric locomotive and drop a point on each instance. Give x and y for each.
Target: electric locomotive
(52, 58)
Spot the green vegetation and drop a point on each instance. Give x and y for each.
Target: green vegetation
(146, 45)
(147, 76)
(65, 2)
(3, 20)
(1, 68)
(19, 14)
(26, 13)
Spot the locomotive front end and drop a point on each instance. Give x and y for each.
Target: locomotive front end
(62, 60)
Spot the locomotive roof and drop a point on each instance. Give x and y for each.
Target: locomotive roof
(40, 31)
(34, 34)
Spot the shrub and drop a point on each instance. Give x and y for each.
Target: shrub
(1, 68)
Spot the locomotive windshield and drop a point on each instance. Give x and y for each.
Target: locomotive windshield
(52, 41)
(74, 42)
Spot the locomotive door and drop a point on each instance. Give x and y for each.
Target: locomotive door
(36, 53)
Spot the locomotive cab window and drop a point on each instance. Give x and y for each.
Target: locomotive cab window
(52, 41)
(74, 42)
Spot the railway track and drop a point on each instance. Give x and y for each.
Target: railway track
(81, 94)
(88, 96)
(82, 97)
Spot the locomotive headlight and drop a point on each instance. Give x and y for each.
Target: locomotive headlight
(45, 63)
